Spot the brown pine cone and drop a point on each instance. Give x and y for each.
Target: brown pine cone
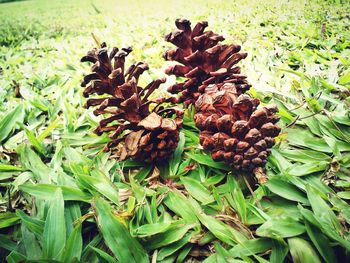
(138, 126)
(233, 128)
(203, 61)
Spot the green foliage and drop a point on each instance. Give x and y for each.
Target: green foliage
(63, 200)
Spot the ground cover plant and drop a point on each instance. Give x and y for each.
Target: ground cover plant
(63, 198)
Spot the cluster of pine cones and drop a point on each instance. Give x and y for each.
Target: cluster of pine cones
(232, 126)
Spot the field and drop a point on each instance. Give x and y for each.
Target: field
(62, 199)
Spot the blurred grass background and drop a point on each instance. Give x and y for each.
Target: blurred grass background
(35, 33)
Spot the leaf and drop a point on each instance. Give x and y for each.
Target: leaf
(207, 161)
(303, 138)
(7, 243)
(302, 251)
(286, 190)
(236, 199)
(108, 258)
(31, 244)
(172, 248)
(222, 231)
(143, 173)
(279, 251)
(48, 130)
(326, 218)
(177, 203)
(44, 191)
(197, 190)
(33, 140)
(8, 219)
(152, 229)
(31, 161)
(323, 213)
(321, 243)
(251, 247)
(345, 78)
(344, 195)
(116, 236)
(304, 156)
(33, 224)
(176, 232)
(74, 245)
(184, 252)
(16, 257)
(9, 121)
(9, 168)
(308, 168)
(278, 160)
(280, 228)
(54, 236)
(175, 160)
(98, 182)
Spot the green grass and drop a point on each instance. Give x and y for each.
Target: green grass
(62, 198)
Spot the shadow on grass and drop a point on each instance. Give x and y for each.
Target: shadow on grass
(9, 1)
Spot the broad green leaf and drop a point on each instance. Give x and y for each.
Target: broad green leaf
(280, 228)
(207, 161)
(105, 256)
(176, 232)
(33, 224)
(7, 243)
(152, 229)
(8, 219)
(172, 248)
(279, 251)
(303, 138)
(175, 160)
(9, 167)
(33, 140)
(31, 244)
(9, 121)
(48, 130)
(54, 236)
(321, 243)
(177, 202)
(101, 184)
(288, 191)
(308, 168)
(304, 156)
(251, 247)
(31, 161)
(74, 245)
(16, 257)
(302, 251)
(197, 190)
(44, 191)
(219, 229)
(323, 213)
(345, 78)
(116, 236)
(184, 252)
(236, 199)
(143, 173)
(344, 195)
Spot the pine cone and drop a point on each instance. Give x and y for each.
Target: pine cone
(233, 128)
(138, 126)
(203, 61)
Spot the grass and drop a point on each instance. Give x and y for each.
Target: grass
(62, 199)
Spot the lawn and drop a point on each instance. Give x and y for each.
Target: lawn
(63, 199)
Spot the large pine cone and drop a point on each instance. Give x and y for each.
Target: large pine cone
(139, 127)
(233, 128)
(203, 61)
